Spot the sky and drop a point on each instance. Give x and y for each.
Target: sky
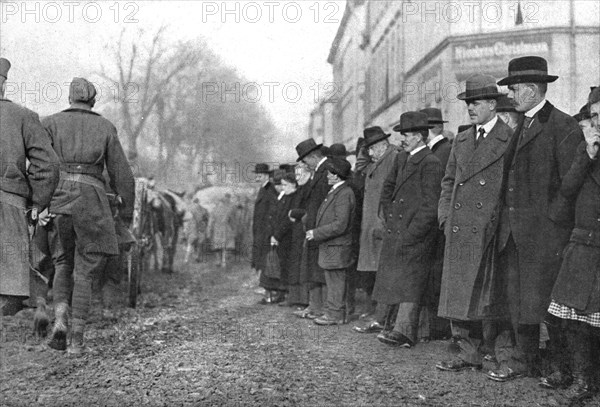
(281, 46)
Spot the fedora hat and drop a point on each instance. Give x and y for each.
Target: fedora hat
(4, 67)
(373, 135)
(594, 96)
(584, 113)
(338, 150)
(412, 121)
(306, 147)
(325, 151)
(338, 166)
(527, 69)
(434, 115)
(287, 167)
(261, 168)
(505, 105)
(480, 87)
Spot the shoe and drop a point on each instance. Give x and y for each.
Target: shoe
(503, 375)
(58, 336)
(77, 346)
(372, 328)
(285, 304)
(580, 390)
(326, 320)
(301, 313)
(313, 315)
(395, 338)
(425, 340)
(456, 365)
(556, 380)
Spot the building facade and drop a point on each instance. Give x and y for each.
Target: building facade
(417, 54)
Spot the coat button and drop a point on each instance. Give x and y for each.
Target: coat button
(402, 201)
(598, 219)
(479, 205)
(475, 229)
(455, 229)
(482, 182)
(461, 184)
(389, 230)
(400, 216)
(457, 205)
(511, 189)
(398, 232)
(512, 209)
(393, 201)
(391, 215)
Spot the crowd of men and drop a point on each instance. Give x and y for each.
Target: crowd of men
(496, 232)
(52, 193)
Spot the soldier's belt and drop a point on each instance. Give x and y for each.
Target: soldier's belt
(586, 237)
(77, 168)
(13, 200)
(81, 178)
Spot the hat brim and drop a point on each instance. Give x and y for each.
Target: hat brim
(375, 140)
(511, 80)
(436, 121)
(399, 129)
(582, 116)
(262, 172)
(318, 146)
(486, 96)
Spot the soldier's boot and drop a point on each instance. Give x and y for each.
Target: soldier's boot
(58, 336)
(77, 346)
(41, 320)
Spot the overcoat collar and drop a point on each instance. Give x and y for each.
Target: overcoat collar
(317, 176)
(536, 126)
(390, 150)
(74, 109)
(488, 152)
(330, 198)
(408, 165)
(439, 144)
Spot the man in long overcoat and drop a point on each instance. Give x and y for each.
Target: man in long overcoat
(260, 232)
(467, 212)
(381, 157)
(409, 201)
(535, 219)
(309, 152)
(82, 234)
(22, 137)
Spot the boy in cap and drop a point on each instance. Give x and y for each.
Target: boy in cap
(22, 137)
(333, 233)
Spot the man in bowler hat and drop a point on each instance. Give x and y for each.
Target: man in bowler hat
(535, 219)
(409, 201)
(470, 192)
(22, 138)
(311, 154)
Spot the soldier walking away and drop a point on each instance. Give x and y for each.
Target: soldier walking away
(22, 137)
(82, 232)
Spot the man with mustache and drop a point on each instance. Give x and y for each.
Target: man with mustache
(535, 219)
(470, 192)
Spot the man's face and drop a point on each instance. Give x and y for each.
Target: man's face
(481, 111)
(262, 178)
(287, 187)
(410, 140)
(585, 124)
(523, 95)
(377, 150)
(332, 178)
(311, 161)
(595, 113)
(278, 188)
(435, 131)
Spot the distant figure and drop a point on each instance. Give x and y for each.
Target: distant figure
(195, 224)
(220, 228)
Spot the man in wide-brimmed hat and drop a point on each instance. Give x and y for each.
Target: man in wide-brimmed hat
(470, 193)
(381, 156)
(22, 138)
(82, 234)
(409, 202)
(535, 220)
(311, 154)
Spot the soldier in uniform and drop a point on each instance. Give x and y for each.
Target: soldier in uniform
(82, 233)
(22, 138)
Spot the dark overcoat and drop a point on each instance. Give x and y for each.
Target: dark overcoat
(290, 236)
(22, 137)
(539, 218)
(334, 228)
(316, 191)
(578, 282)
(260, 225)
(467, 209)
(409, 202)
(371, 234)
(441, 150)
(87, 143)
